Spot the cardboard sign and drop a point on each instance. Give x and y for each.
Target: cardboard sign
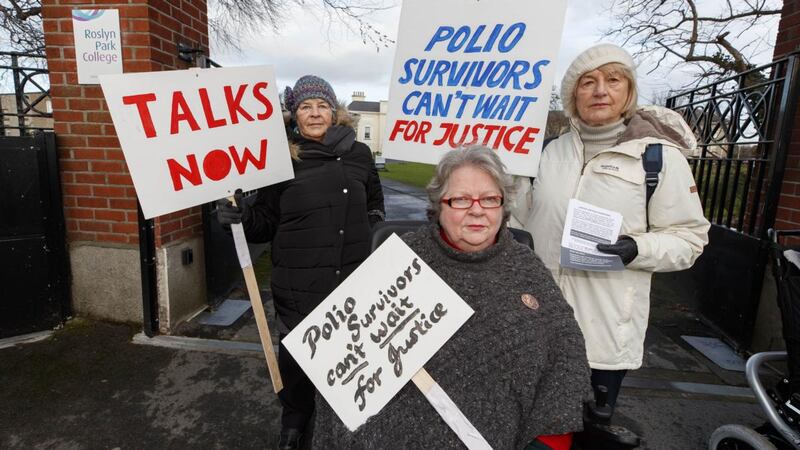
(194, 136)
(375, 331)
(98, 48)
(473, 72)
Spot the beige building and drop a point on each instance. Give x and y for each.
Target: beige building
(34, 119)
(371, 119)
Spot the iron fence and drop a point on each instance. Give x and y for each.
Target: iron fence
(743, 126)
(27, 108)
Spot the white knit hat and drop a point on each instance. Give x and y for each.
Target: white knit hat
(591, 59)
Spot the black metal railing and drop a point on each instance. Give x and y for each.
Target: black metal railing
(26, 109)
(743, 125)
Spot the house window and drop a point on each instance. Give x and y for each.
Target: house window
(367, 133)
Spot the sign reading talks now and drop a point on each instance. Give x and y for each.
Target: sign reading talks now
(473, 72)
(375, 331)
(98, 50)
(194, 136)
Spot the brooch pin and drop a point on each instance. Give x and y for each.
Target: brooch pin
(530, 301)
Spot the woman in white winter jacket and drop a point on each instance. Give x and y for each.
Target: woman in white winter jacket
(599, 161)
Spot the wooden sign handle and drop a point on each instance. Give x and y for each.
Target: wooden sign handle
(449, 411)
(261, 321)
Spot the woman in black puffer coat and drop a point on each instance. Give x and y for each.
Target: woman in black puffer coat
(319, 225)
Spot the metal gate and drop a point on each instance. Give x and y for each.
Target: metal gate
(33, 266)
(743, 125)
(34, 277)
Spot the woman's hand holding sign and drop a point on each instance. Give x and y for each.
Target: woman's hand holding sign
(229, 212)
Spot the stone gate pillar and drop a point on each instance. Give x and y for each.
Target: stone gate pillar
(99, 199)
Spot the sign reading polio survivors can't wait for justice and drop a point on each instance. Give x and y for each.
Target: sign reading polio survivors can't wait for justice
(375, 331)
(473, 72)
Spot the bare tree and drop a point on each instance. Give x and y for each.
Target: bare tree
(21, 25)
(21, 21)
(717, 37)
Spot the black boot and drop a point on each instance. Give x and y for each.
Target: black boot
(598, 433)
(290, 439)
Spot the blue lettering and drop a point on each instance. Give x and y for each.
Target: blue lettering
(537, 74)
(498, 74)
(505, 46)
(442, 34)
(406, 109)
(407, 68)
(471, 47)
(462, 33)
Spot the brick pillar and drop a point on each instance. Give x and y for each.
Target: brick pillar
(99, 198)
(788, 40)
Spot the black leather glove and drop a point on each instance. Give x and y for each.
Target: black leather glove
(227, 213)
(625, 248)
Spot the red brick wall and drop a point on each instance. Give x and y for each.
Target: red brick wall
(788, 40)
(99, 199)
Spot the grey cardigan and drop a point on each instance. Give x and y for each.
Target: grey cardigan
(515, 371)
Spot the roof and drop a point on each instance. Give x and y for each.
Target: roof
(364, 106)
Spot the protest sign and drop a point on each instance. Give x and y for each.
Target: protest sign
(473, 72)
(375, 331)
(98, 48)
(194, 136)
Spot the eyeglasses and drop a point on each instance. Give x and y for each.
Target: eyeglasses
(489, 202)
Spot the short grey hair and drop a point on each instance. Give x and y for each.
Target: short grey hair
(478, 156)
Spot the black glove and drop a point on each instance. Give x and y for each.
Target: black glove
(227, 213)
(625, 248)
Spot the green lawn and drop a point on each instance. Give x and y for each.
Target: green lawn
(413, 174)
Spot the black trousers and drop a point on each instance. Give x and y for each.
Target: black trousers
(297, 395)
(611, 379)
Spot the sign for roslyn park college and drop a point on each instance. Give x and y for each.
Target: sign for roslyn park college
(194, 136)
(97, 43)
(473, 72)
(375, 331)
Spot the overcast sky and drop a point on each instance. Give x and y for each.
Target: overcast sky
(308, 45)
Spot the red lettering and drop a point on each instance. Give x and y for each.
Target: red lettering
(179, 103)
(490, 129)
(398, 127)
(176, 171)
(210, 119)
(260, 86)
(141, 100)
(247, 157)
(217, 164)
(234, 104)
(424, 128)
(528, 137)
(507, 138)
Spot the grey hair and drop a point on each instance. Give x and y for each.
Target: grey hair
(478, 156)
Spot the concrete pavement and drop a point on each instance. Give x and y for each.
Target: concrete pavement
(91, 386)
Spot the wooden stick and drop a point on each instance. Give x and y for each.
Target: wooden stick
(449, 411)
(258, 310)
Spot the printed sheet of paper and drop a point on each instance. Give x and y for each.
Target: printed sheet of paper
(585, 227)
(375, 331)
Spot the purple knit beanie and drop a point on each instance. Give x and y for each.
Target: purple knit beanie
(308, 86)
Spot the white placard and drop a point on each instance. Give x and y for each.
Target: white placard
(98, 48)
(194, 136)
(473, 72)
(375, 331)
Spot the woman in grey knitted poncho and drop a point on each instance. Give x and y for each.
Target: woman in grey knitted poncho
(517, 368)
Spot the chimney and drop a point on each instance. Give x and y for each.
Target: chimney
(358, 96)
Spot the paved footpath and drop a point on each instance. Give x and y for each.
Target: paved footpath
(94, 385)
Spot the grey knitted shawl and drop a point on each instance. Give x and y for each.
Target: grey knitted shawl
(515, 371)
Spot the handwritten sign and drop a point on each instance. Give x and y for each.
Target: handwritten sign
(375, 331)
(98, 49)
(473, 72)
(194, 136)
